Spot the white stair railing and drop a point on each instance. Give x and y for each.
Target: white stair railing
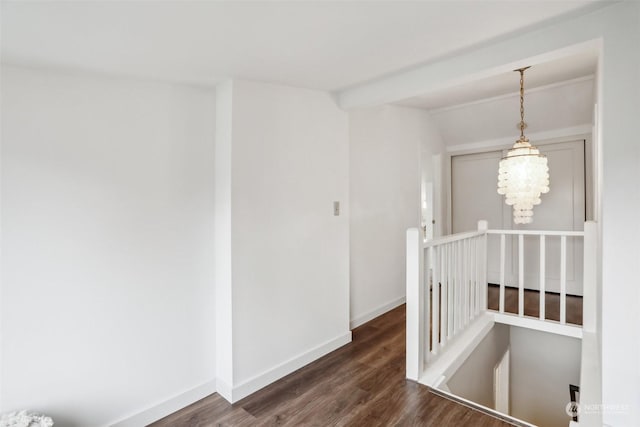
(446, 291)
(447, 288)
(543, 237)
(457, 286)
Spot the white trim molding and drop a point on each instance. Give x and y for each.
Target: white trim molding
(262, 380)
(539, 325)
(361, 320)
(539, 137)
(224, 389)
(169, 406)
(231, 393)
(442, 392)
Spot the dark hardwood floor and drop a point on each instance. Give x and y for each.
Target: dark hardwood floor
(532, 304)
(360, 384)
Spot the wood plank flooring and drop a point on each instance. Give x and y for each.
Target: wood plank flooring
(360, 384)
(532, 304)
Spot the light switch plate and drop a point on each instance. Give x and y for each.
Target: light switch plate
(336, 208)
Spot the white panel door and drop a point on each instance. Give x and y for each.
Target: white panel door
(474, 197)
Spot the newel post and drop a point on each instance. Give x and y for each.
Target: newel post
(590, 277)
(483, 225)
(415, 305)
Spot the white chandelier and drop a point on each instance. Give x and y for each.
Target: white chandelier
(523, 175)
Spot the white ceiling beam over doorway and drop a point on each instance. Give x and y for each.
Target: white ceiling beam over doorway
(535, 47)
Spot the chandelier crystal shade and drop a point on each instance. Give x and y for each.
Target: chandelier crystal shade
(523, 174)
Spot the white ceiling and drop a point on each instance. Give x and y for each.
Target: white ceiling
(559, 107)
(541, 75)
(321, 45)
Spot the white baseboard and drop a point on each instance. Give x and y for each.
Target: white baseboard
(254, 384)
(361, 320)
(224, 389)
(231, 394)
(167, 407)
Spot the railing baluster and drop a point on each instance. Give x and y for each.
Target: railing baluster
(463, 293)
(452, 304)
(431, 253)
(436, 283)
(450, 292)
(484, 286)
(435, 315)
(474, 276)
(459, 286)
(461, 282)
(456, 290)
(468, 282)
(502, 267)
(542, 276)
(465, 287)
(452, 285)
(445, 287)
(478, 287)
(563, 279)
(444, 307)
(520, 275)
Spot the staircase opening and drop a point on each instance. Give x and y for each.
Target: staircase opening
(540, 366)
(502, 348)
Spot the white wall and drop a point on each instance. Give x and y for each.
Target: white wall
(431, 158)
(474, 379)
(542, 366)
(385, 151)
(559, 106)
(107, 242)
(619, 99)
(289, 285)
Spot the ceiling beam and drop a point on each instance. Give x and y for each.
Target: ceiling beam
(548, 43)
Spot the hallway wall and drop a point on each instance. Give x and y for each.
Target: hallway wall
(281, 163)
(387, 151)
(107, 242)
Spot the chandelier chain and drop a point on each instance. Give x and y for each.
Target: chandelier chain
(522, 125)
(523, 174)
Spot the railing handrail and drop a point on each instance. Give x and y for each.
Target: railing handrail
(567, 233)
(452, 238)
(469, 234)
